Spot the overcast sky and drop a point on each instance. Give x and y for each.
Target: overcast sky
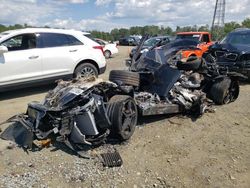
(105, 15)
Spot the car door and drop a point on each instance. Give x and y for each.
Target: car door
(22, 62)
(59, 53)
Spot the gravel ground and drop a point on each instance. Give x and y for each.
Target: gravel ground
(212, 151)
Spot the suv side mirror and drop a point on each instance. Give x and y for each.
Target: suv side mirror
(3, 49)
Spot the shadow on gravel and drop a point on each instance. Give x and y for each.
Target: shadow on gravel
(25, 91)
(143, 120)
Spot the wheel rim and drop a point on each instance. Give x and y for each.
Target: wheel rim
(87, 72)
(107, 54)
(129, 117)
(227, 97)
(232, 93)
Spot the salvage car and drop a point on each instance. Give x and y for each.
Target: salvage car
(129, 41)
(171, 50)
(109, 49)
(41, 55)
(232, 52)
(87, 111)
(203, 39)
(152, 41)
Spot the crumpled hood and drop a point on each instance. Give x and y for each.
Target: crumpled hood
(66, 91)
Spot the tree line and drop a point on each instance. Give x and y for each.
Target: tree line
(152, 30)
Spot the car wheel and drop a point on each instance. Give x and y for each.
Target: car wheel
(107, 54)
(85, 70)
(220, 91)
(122, 111)
(125, 77)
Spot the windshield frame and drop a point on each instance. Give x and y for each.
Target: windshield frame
(195, 37)
(236, 36)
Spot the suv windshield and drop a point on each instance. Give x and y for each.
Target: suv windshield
(237, 38)
(195, 37)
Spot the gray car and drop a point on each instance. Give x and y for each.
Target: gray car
(162, 40)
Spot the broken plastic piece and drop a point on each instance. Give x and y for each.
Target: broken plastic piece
(111, 159)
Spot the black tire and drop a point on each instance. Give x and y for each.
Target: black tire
(192, 63)
(107, 54)
(122, 111)
(220, 90)
(125, 77)
(85, 70)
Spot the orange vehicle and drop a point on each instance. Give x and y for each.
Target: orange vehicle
(203, 39)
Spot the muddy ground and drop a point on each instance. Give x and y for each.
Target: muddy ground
(212, 151)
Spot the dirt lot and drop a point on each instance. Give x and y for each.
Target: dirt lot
(213, 151)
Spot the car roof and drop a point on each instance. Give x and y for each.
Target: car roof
(241, 30)
(191, 32)
(7, 34)
(78, 34)
(52, 30)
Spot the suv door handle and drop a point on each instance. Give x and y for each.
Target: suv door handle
(73, 50)
(33, 57)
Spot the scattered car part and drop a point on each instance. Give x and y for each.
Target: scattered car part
(111, 159)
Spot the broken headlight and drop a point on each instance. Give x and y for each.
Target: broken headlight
(231, 56)
(219, 53)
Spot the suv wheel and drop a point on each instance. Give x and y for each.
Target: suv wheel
(85, 70)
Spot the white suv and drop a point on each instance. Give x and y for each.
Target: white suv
(40, 55)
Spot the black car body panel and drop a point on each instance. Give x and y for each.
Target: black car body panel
(233, 52)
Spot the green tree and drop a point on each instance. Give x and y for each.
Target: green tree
(228, 27)
(246, 23)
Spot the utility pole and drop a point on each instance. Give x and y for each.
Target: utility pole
(219, 17)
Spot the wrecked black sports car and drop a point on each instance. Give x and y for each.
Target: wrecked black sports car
(87, 111)
(233, 52)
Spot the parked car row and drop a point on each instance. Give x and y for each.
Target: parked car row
(129, 41)
(42, 55)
